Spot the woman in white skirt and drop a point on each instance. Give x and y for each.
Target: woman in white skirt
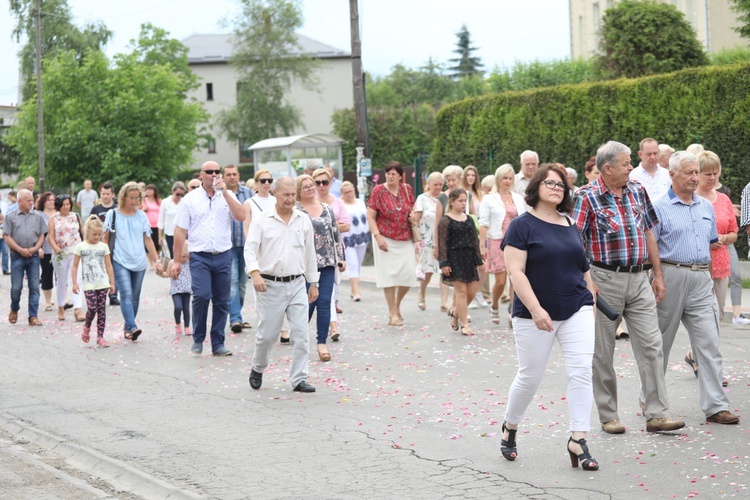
(395, 252)
(356, 238)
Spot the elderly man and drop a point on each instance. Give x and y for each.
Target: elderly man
(279, 250)
(239, 278)
(685, 238)
(206, 213)
(665, 151)
(86, 199)
(24, 231)
(656, 180)
(615, 218)
(529, 164)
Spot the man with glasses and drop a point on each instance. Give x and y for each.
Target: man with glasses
(206, 213)
(239, 278)
(616, 218)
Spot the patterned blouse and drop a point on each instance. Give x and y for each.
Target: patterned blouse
(359, 233)
(393, 211)
(184, 282)
(67, 232)
(328, 248)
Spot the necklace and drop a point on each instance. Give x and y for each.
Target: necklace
(400, 205)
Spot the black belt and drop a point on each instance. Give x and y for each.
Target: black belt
(692, 267)
(283, 279)
(623, 269)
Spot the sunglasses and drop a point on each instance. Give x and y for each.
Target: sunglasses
(179, 195)
(209, 172)
(192, 187)
(322, 183)
(265, 181)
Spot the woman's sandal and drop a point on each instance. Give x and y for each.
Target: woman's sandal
(454, 320)
(587, 461)
(466, 330)
(79, 316)
(324, 356)
(691, 362)
(86, 336)
(495, 315)
(508, 446)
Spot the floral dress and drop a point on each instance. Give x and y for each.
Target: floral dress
(427, 205)
(67, 233)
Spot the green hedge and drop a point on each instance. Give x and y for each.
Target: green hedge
(566, 124)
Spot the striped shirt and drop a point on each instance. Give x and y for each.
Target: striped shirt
(613, 228)
(686, 230)
(745, 204)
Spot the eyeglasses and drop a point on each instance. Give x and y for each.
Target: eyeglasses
(209, 172)
(265, 181)
(322, 183)
(192, 187)
(554, 185)
(179, 195)
(309, 187)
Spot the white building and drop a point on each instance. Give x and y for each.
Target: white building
(712, 20)
(208, 56)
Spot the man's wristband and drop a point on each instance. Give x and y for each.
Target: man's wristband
(314, 284)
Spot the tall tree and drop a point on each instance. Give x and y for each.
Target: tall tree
(742, 7)
(639, 38)
(122, 120)
(58, 34)
(268, 60)
(465, 63)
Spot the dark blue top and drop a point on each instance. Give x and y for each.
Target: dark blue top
(555, 264)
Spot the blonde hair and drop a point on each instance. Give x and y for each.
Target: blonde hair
(125, 189)
(695, 148)
(259, 173)
(299, 180)
(708, 160)
(321, 171)
(501, 172)
(433, 177)
(347, 184)
(93, 222)
(488, 181)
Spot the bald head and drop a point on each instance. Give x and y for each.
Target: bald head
(210, 165)
(285, 181)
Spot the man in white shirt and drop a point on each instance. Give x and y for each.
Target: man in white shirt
(655, 179)
(206, 213)
(529, 164)
(86, 199)
(279, 250)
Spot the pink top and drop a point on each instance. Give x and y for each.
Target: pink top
(725, 223)
(152, 212)
(339, 210)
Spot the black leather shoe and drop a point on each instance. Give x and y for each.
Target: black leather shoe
(304, 387)
(236, 327)
(256, 379)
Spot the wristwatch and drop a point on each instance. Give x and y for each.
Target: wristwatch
(314, 284)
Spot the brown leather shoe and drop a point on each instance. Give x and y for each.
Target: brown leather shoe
(13, 317)
(34, 321)
(663, 424)
(613, 427)
(723, 417)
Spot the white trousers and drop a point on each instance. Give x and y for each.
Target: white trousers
(334, 298)
(354, 258)
(576, 338)
(63, 269)
(290, 300)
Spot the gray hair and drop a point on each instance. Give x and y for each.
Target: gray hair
(529, 152)
(178, 185)
(453, 170)
(488, 181)
(679, 158)
(608, 152)
(23, 192)
(313, 164)
(572, 173)
(666, 149)
(695, 148)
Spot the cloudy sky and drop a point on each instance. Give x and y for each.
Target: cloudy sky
(408, 32)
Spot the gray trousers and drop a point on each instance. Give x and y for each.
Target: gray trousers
(630, 295)
(735, 279)
(280, 300)
(689, 299)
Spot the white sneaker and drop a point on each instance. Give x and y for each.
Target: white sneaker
(481, 301)
(473, 304)
(740, 320)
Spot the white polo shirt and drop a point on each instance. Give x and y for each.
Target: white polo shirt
(656, 186)
(207, 220)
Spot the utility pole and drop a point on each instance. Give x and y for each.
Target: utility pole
(39, 112)
(360, 110)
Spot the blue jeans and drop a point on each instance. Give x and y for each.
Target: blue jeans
(211, 275)
(238, 285)
(323, 302)
(30, 266)
(129, 284)
(5, 251)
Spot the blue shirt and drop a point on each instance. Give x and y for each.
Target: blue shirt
(238, 230)
(335, 188)
(129, 242)
(555, 264)
(686, 230)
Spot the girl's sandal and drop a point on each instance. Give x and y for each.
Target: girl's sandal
(101, 342)
(85, 336)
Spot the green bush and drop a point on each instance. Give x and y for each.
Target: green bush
(566, 124)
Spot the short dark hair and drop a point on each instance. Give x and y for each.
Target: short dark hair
(532, 191)
(106, 185)
(590, 164)
(391, 165)
(230, 165)
(60, 199)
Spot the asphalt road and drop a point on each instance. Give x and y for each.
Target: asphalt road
(399, 412)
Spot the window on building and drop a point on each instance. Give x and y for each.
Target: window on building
(209, 91)
(597, 15)
(211, 146)
(246, 156)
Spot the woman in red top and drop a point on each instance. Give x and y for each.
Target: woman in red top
(388, 213)
(151, 205)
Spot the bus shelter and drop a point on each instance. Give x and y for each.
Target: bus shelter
(289, 155)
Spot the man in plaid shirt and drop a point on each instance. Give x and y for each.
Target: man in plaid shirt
(615, 218)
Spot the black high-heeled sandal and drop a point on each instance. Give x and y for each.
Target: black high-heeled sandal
(587, 461)
(453, 316)
(508, 447)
